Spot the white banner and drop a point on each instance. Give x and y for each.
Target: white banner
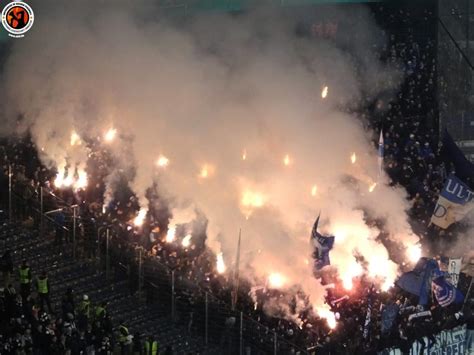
(449, 342)
(454, 268)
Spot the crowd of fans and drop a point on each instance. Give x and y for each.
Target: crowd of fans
(30, 324)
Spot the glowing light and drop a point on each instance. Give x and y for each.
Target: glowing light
(206, 171)
(75, 139)
(68, 181)
(324, 93)
(171, 234)
(382, 268)
(252, 199)
(220, 265)
(353, 158)
(314, 190)
(354, 270)
(186, 241)
(414, 253)
(140, 218)
(330, 317)
(244, 155)
(162, 161)
(286, 160)
(372, 187)
(347, 283)
(110, 135)
(59, 181)
(81, 182)
(276, 280)
(386, 285)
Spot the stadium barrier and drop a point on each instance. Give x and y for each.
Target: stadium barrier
(186, 303)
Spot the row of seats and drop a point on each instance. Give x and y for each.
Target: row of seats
(84, 278)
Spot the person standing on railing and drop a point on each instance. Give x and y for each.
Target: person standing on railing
(25, 280)
(43, 291)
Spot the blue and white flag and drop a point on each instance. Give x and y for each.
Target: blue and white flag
(454, 203)
(322, 245)
(417, 282)
(380, 153)
(444, 292)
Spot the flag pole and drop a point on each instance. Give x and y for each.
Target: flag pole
(467, 294)
(235, 275)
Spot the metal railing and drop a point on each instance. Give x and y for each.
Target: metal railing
(187, 304)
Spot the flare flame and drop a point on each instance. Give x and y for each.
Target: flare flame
(110, 135)
(220, 265)
(324, 93)
(353, 158)
(170, 236)
(140, 218)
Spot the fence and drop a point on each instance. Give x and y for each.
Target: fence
(187, 304)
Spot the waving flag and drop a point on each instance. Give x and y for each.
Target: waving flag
(444, 292)
(380, 153)
(454, 203)
(417, 282)
(322, 244)
(451, 154)
(389, 317)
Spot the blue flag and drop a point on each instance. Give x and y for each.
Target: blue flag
(322, 244)
(445, 293)
(417, 282)
(389, 317)
(452, 154)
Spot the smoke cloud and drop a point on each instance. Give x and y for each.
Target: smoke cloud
(234, 103)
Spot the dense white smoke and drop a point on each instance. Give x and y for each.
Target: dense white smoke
(235, 106)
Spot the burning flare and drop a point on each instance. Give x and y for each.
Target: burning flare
(75, 139)
(244, 155)
(162, 161)
(286, 160)
(276, 280)
(81, 182)
(324, 93)
(206, 171)
(314, 190)
(325, 313)
(110, 135)
(353, 158)
(372, 187)
(59, 181)
(186, 241)
(140, 218)
(220, 264)
(252, 199)
(414, 253)
(354, 270)
(170, 236)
